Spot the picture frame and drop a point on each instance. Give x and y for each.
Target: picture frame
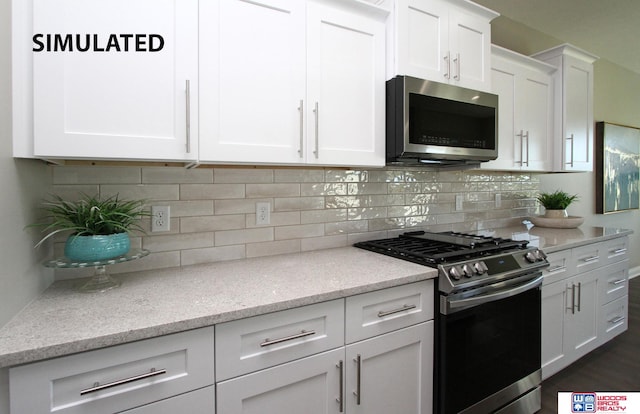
(617, 159)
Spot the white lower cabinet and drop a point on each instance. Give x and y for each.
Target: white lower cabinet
(584, 301)
(310, 385)
(388, 371)
(391, 373)
(121, 377)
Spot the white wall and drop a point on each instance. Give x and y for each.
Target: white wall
(22, 183)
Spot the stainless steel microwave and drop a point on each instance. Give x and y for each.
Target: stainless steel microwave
(431, 123)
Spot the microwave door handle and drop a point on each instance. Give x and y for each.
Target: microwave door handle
(492, 297)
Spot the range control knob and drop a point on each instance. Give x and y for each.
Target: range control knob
(480, 268)
(534, 256)
(467, 270)
(455, 273)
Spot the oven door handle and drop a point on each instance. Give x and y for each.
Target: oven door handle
(491, 297)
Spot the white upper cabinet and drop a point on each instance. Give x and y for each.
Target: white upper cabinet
(573, 130)
(525, 113)
(252, 72)
(444, 41)
(292, 82)
(110, 79)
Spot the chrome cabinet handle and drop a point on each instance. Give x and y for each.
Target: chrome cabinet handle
(555, 269)
(340, 399)
(457, 62)
(570, 163)
(317, 113)
(521, 135)
(302, 334)
(382, 314)
(188, 114)
(97, 387)
(590, 259)
(358, 361)
(526, 136)
(618, 282)
(573, 299)
(447, 59)
(616, 320)
(579, 295)
(618, 251)
(301, 109)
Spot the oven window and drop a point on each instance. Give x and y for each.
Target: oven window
(444, 122)
(483, 349)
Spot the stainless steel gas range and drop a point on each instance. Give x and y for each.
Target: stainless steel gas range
(487, 348)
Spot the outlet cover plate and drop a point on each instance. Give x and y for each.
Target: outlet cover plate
(160, 218)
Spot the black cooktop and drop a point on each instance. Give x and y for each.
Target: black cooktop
(431, 249)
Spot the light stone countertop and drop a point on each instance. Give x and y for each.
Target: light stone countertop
(151, 303)
(551, 240)
(63, 321)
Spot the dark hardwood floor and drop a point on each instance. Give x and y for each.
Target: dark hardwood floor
(614, 366)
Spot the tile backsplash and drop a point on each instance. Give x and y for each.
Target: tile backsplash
(213, 209)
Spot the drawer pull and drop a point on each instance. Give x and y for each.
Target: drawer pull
(340, 399)
(358, 361)
(618, 282)
(382, 314)
(97, 387)
(616, 320)
(622, 250)
(302, 334)
(590, 259)
(555, 269)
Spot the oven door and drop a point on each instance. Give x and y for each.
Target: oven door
(488, 352)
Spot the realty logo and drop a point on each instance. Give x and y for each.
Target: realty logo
(583, 402)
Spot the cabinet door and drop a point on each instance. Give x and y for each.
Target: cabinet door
(345, 87)
(252, 68)
(578, 115)
(554, 304)
(422, 46)
(124, 97)
(470, 50)
(310, 385)
(504, 82)
(392, 373)
(581, 328)
(534, 114)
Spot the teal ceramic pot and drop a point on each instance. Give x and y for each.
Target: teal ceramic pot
(96, 248)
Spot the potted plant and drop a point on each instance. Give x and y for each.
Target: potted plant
(99, 227)
(556, 203)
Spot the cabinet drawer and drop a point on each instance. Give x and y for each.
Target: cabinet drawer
(382, 311)
(614, 319)
(615, 250)
(560, 267)
(263, 341)
(588, 257)
(615, 281)
(116, 378)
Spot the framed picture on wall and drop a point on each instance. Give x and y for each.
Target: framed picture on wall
(617, 156)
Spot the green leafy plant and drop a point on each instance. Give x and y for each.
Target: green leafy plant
(91, 215)
(558, 200)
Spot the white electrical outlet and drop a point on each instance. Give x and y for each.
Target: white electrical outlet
(498, 200)
(160, 218)
(459, 201)
(263, 213)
